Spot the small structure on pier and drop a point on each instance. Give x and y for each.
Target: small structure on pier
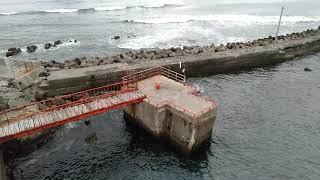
(157, 98)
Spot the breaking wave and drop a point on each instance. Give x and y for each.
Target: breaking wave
(105, 8)
(243, 19)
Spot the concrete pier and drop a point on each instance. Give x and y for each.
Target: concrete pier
(173, 111)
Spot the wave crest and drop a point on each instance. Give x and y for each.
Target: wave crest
(104, 8)
(236, 19)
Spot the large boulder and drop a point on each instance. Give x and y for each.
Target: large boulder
(307, 69)
(116, 37)
(56, 43)
(31, 49)
(48, 46)
(13, 51)
(4, 103)
(44, 74)
(77, 61)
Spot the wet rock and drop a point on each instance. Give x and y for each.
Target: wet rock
(125, 56)
(54, 64)
(4, 103)
(32, 48)
(220, 48)
(77, 61)
(56, 43)
(139, 56)
(173, 54)
(116, 37)
(44, 74)
(148, 56)
(116, 61)
(13, 51)
(70, 64)
(48, 46)
(87, 122)
(157, 56)
(134, 56)
(195, 50)
(92, 138)
(164, 55)
(307, 70)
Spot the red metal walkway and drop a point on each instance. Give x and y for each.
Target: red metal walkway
(25, 120)
(35, 117)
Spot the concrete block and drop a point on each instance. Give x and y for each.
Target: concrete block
(26, 80)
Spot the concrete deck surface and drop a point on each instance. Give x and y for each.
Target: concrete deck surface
(173, 92)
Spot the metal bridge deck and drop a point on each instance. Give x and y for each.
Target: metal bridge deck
(71, 113)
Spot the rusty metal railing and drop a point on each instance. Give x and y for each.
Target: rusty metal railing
(65, 100)
(24, 120)
(141, 75)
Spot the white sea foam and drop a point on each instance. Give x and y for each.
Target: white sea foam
(61, 10)
(151, 40)
(102, 8)
(8, 13)
(223, 18)
(110, 8)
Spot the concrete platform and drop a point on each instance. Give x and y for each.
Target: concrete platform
(174, 111)
(177, 95)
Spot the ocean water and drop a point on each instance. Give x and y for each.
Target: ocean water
(143, 24)
(268, 119)
(267, 128)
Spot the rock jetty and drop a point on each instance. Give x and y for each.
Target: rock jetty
(132, 57)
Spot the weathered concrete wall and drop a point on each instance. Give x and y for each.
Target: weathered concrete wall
(179, 128)
(148, 116)
(72, 80)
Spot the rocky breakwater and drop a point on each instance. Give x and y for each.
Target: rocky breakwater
(83, 73)
(144, 55)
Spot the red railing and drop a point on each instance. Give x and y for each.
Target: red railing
(141, 75)
(57, 102)
(38, 116)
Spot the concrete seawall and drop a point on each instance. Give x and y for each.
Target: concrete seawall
(72, 80)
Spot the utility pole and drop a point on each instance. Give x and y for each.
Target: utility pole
(282, 8)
